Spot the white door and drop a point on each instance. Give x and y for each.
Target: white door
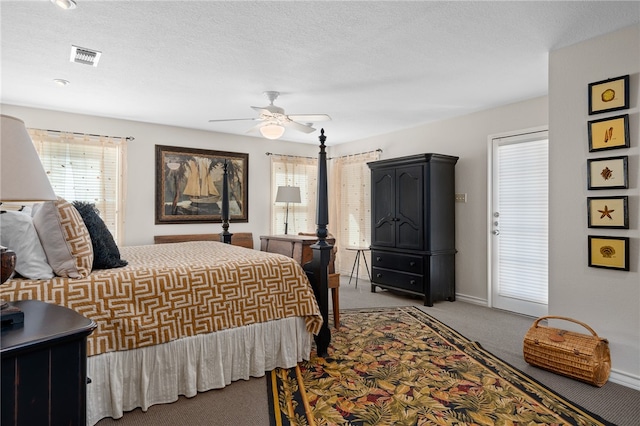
(519, 208)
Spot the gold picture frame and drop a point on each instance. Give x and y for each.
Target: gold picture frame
(608, 173)
(609, 133)
(609, 95)
(609, 252)
(189, 185)
(608, 212)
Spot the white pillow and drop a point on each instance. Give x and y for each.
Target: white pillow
(17, 233)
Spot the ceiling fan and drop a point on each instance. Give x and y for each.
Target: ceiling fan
(273, 120)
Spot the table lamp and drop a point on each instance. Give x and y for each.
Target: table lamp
(22, 179)
(287, 194)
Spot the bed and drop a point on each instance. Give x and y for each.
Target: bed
(164, 331)
(182, 318)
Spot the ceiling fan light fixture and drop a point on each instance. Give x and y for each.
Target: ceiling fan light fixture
(65, 4)
(61, 82)
(273, 120)
(272, 131)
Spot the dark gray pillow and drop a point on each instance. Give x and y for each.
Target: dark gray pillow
(105, 251)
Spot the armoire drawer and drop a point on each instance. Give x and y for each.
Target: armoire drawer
(398, 279)
(399, 262)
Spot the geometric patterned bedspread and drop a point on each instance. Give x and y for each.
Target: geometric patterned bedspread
(171, 291)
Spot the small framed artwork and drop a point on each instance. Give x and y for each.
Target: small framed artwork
(609, 133)
(609, 252)
(607, 173)
(608, 212)
(609, 95)
(189, 185)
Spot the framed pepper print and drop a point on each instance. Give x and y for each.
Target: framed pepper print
(609, 133)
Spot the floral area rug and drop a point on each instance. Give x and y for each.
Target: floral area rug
(400, 366)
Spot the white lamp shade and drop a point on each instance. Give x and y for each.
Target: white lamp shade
(22, 177)
(288, 194)
(272, 131)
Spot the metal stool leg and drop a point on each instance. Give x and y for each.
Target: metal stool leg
(355, 263)
(357, 266)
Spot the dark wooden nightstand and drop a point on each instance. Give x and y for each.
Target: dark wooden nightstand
(44, 366)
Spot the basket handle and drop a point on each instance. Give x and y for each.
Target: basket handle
(535, 324)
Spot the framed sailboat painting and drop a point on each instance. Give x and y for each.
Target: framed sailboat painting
(189, 185)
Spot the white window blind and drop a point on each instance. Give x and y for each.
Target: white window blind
(86, 168)
(523, 220)
(303, 173)
(350, 219)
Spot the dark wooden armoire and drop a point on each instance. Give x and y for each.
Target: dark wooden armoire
(413, 225)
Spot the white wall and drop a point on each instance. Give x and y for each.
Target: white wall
(609, 301)
(140, 200)
(465, 137)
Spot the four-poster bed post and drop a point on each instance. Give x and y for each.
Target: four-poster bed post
(318, 269)
(225, 236)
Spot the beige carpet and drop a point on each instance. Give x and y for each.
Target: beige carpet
(501, 333)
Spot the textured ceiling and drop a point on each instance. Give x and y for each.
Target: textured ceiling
(374, 67)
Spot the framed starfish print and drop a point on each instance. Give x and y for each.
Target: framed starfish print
(608, 212)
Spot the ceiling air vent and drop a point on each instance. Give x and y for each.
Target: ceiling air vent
(85, 56)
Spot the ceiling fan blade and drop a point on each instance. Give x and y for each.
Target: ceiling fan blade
(299, 127)
(255, 129)
(309, 118)
(269, 110)
(235, 119)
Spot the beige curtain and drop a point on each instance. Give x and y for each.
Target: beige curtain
(294, 171)
(87, 168)
(350, 207)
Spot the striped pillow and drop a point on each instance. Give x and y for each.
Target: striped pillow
(64, 237)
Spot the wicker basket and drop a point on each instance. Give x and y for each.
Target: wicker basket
(575, 355)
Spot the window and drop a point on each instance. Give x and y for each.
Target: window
(350, 220)
(294, 171)
(349, 200)
(86, 168)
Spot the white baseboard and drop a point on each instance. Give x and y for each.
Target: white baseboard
(625, 379)
(471, 299)
(616, 376)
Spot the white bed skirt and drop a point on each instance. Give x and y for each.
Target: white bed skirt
(125, 380)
